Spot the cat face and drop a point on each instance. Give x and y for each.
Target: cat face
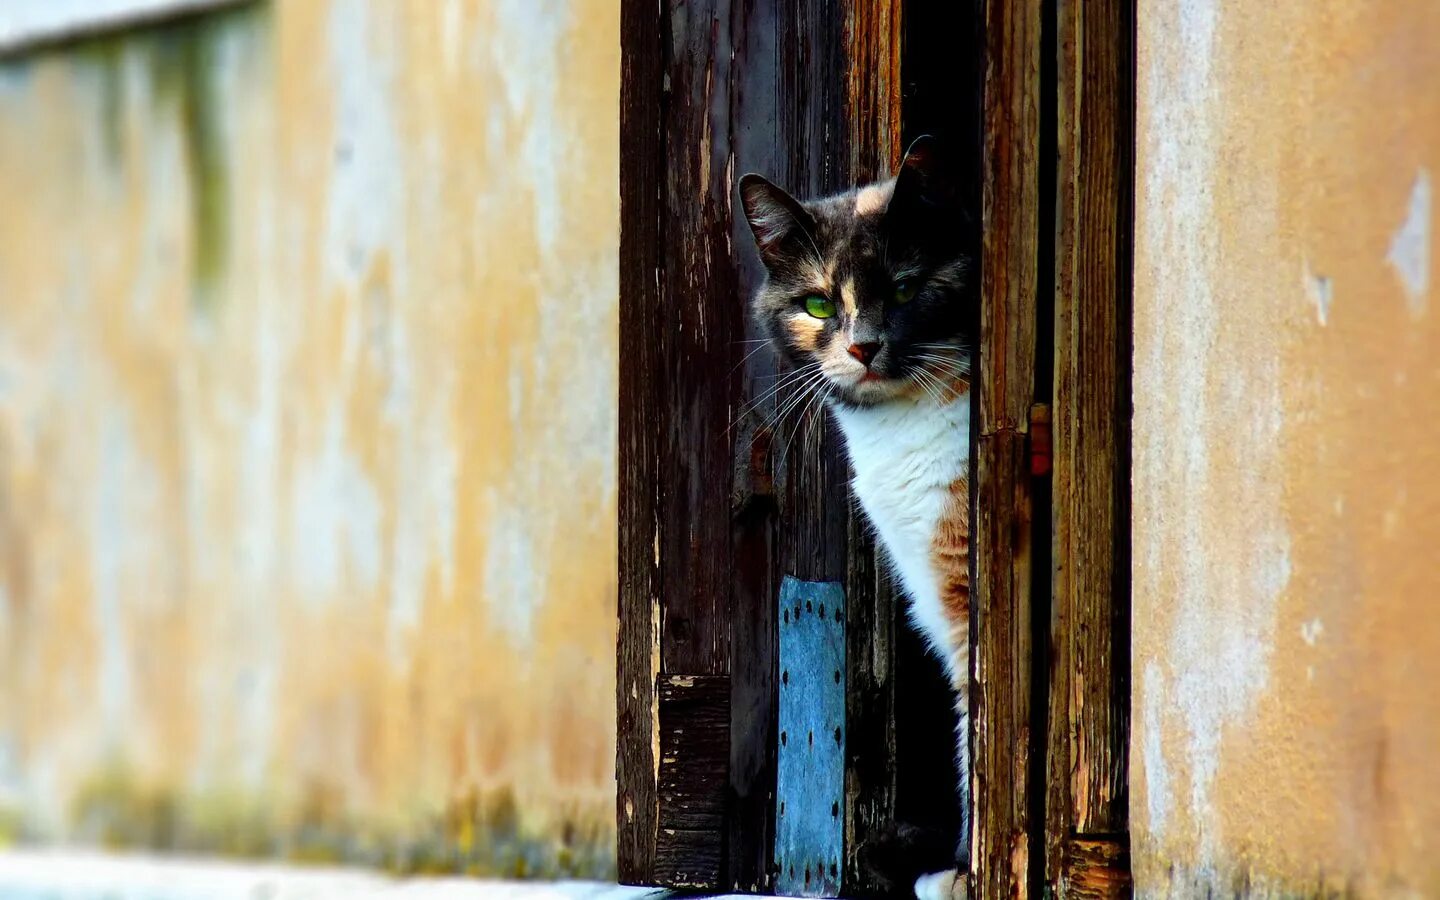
(870, 287)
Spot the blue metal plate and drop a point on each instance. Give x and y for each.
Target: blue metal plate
(810, 791)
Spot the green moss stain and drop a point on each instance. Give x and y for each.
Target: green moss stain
(115, 810)
(191, 64)
(477, 833)
(11, 821)
(103, 59)
(187, 66)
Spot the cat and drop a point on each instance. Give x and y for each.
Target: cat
(868, 296)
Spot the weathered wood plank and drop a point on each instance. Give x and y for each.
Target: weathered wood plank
(1003, 497)
(871, 613)
(1096, 868)
(1087, 747)
(754, 590)
(872, 96)
(716, 507)
(700, 323)
(756, 104)
(689, 859)
(641, 402)
(694, 715)
(1001, 731)
(809, 828)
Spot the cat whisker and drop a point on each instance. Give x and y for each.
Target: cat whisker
(813, 436)
(799, 396)
(806, 419)
(817, 433)
(775, 420)
(953, 374)
(920, 378)
(787, 439)
(950, 389)
(949, 361)
(787, 379)
(945, 364)
(819, 414)
(785, 447)
(934, 387)
(927, 382)
(746, 358)
(949, 353)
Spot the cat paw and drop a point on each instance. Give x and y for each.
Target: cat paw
(946, 885)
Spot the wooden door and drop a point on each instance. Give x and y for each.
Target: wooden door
(711, 520)
(727, 518)
(1051, 708)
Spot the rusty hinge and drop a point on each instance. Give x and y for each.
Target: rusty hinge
(1041, 458)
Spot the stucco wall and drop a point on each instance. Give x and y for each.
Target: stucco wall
(1286, 448)
(307, 479)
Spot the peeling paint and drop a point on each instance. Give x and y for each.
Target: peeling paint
(1410, 247)
(1321, 291)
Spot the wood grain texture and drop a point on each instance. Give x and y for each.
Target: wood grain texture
(1001, 702)
(871, 763)
(1096, 868)
(640, 402)
(718, 499)
(874, 31)
(1087, 752)
(699, 322)
(694, 715)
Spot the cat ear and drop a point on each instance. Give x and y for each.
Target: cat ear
(775, 217)
(925, 180)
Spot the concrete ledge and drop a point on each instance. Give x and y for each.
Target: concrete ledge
(26, 22)
(76, 874)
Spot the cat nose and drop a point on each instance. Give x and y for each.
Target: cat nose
(865, 352)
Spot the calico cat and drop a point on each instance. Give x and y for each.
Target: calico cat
(868, 295)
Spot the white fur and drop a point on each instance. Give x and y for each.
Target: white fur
(906, 454)
(944, 885)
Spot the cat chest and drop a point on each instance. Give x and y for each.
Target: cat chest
(907, 508)
(906, 468)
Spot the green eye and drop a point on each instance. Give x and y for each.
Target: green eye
(819, 307)
(905, 290)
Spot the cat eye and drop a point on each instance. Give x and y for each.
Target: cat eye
(819, 307)
(905, 290)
